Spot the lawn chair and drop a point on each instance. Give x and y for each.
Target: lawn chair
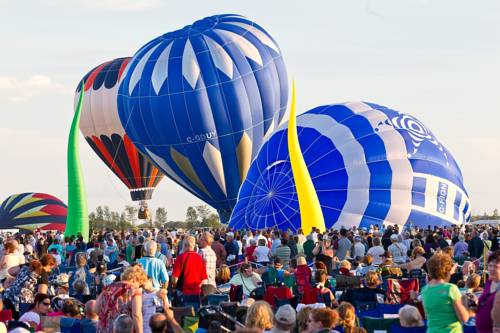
(372, 325)
(399, 290)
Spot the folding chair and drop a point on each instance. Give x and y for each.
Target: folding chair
(280, 293)
(372, 325)
(398, 291)
(396, 328)
(388, 309)
(344, 282)
(216, 299)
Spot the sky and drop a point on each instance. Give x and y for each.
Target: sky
(436, 60)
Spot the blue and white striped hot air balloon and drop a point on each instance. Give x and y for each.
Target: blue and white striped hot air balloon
(369, 165)
(199, 102)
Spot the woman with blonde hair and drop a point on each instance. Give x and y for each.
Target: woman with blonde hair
(259, 316)
(417, 260)
(347, 314)
(124, 297)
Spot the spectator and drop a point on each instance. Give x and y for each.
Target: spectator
(484, 320)
(322, 320)
(23, 288)
(284, 319)
(475, 245)
(442, 300)
(417, 260)
(302, 274)
(261, 253)
(249, 250)
(377, 252)
(347, 316)
(461, 248)
(155, 268)
(324, 253)
(122, 298)
(210, 260)
(123, 324)
(10, 259)
(189, 271)
(259, 316)
(397, 249)
(309, 247)
(409, 316)
(359, 248)
(303, 319)
(231, 248)
(283, 253)
(91, 320)
(343, 246)
(246, 278)
(40, 307)
(219, 250)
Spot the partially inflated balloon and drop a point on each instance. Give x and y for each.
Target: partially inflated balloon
(77, 220)
(369, 165)
(30, 211)
(101, 126)
(199, 102)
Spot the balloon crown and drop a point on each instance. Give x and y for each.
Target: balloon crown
(198, 27)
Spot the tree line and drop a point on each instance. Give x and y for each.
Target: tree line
(486, 216)
(197, 216)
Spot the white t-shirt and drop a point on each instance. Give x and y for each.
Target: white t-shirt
(262, 253)
(376, 252)
(398, 251)
(359, 249)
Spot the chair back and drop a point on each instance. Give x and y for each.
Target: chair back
(344, 282)
(372, 325)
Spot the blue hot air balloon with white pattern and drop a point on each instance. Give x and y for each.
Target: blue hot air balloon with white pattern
(199, 102)
(369, 165)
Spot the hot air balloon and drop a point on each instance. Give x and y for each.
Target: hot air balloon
(101, 126)
(369, 165)
(199, 101)
(30, 211)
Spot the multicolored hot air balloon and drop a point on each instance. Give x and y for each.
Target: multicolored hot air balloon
(199, 102)
(101, 126)
(369, 165)
(31, 211)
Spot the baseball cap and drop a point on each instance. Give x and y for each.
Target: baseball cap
(230, 234)
(394, 237)
(286, 315)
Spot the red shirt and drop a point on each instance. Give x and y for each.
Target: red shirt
(249, 252)
(194, 272)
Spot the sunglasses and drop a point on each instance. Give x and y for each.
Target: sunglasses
(46, 304)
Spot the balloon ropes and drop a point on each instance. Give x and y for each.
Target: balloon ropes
(30, 211)
(369, 165)
(199, 102)
(101, 126)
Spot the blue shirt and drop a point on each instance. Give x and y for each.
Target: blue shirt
(155, 270)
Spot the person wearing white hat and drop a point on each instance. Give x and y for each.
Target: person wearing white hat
(397, 249)
(284, 319)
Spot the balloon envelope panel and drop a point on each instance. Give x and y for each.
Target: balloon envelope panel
(101, 126)
(200, 100)
(369, 165)
(30, 211)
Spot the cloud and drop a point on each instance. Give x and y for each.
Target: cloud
(17, 90)
(121, 5)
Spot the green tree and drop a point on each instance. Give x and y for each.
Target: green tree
(131, 214)
(160, 217)
(191, 217)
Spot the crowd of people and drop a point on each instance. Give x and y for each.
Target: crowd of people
(208, 280)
